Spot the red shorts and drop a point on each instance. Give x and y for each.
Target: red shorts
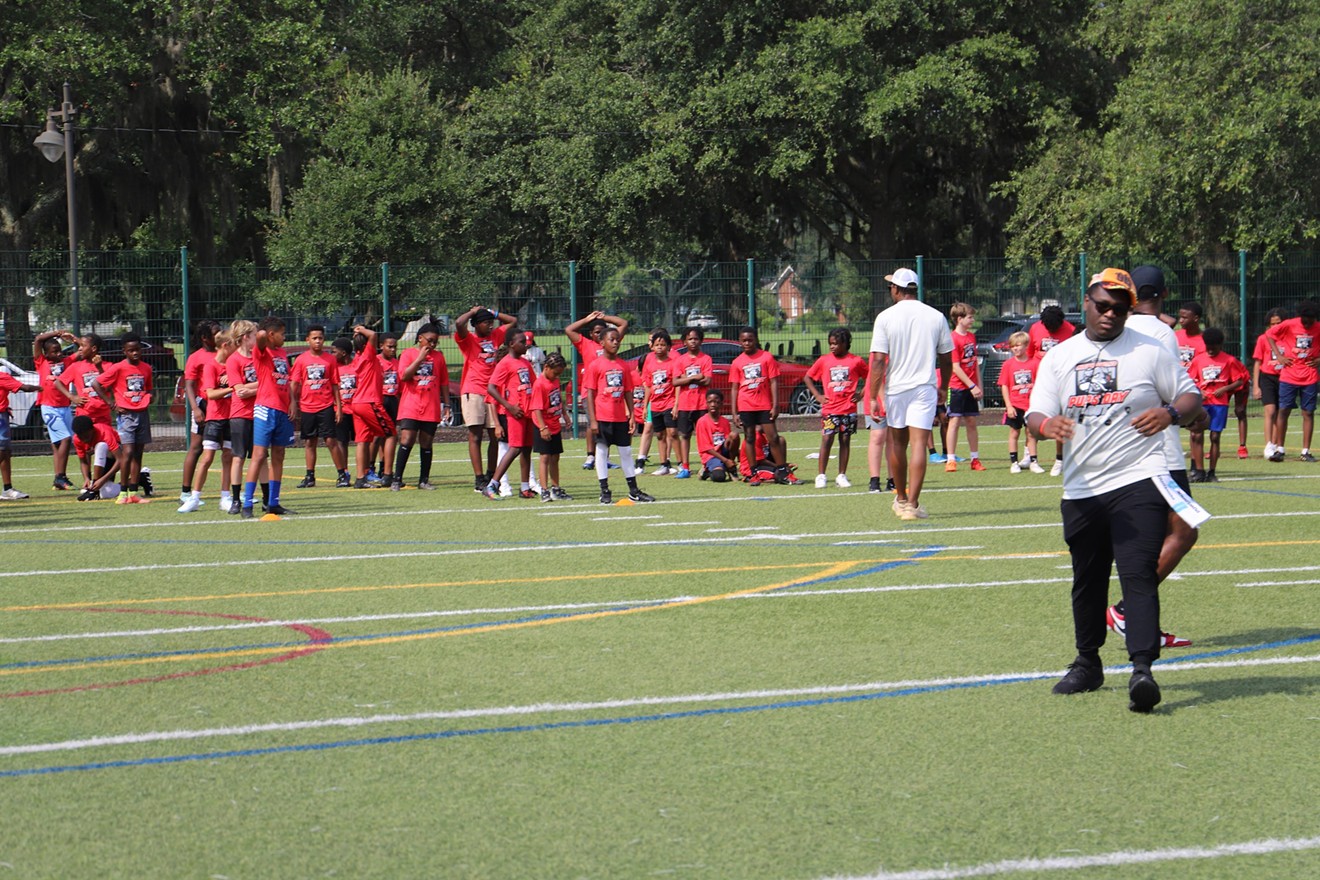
(370, 421)
(521, 431)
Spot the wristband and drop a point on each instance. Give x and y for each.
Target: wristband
(1173, 413)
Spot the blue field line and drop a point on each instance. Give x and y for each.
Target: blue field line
(875, 569)
(1220, 487)
(1247, 649)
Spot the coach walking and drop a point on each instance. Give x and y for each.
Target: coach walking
(1108, 394)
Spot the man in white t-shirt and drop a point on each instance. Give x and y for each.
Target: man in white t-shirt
(1109, 394)
(913, 348)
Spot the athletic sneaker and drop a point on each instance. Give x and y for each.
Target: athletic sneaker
(226, 502)
(915, 511)
(899, 507)
(937, 458)
(1117, 623)
(343, 482)
(235, 507)
(126, 498)
(639, 496)
(506, 490)
(606, 496)
(589, 464)
(491, 490)
(790, 480)
(148, 488)
(12, 495)
(1243, 453)
(874, 486)
(279, 510)
(705, 474)
(662, 471)
(559, 494)
(821, 481)
(478, 484)
(1195, 475)
(1081, 678)
(1015, 468)
(1308, 458)
(842, 481)
(88, 495)
(976, 465)
(546, 496)
(307, 482)
(426, 487)
(535, 484)
(683, 474)
(396, 485)
(361, 483)
(373, 480)
(184, 494)
(1143, 692)
(889, 485)
(609, 465)
(950, 466)
(245, 512)
(754, 481)
(62, 482)
(1277, 457)
(526, 493)
(1210, 477)
(1034, 467)
(640, 462)
(194, 501)
(1056, 468)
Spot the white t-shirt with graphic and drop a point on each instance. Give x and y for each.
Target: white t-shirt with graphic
(1103, 386)
(912, 334)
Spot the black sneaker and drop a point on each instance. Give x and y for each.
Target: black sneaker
(88, 495)
(479, 484)
(280, 510)
(245, 512)
(343, 482)
(361, 483)
(546, 496)
(1195, 476)
(426, 487)
(1210, 477)
(1277, 457)
(889, 485)
(307, 482)
(235, 508)
(148, 488)
(62, 483)
(874, 485)
(1307, 457)
(606, 496)
(1143, 692)
(639, 496)
(559, 494)
(396, 486)
(1081, 679)
(705, 474)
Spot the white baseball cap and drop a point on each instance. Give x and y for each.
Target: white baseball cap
(903, 278)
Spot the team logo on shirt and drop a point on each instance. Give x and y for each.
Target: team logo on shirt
(1186, 354)
(347, 382)
(839, 377)
(614, 382)
(1097, 384)
(752, 375)
(1022, 379)
(316, 372)
(1303, 346)
(692, 370)
(391, 378)
(659, 378)
(135, 384)
(1047, 343)
(487, 351)
(969, 352)
(249, 373)
(1211, 373)
(57, 369)
(88, 390)
(524, 377)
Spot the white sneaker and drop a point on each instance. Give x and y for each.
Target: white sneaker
(534, 485)
(1015, 468)
(661, 471)
(1035, 468)
(506, 490)
(226, 501)
(194, 501)
(842, 481)
(820, 481)
(12, 495)
(184, 496)
(1057, 468)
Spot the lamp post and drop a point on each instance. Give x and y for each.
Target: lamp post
(52, 146)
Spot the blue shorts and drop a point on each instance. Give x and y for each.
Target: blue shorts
(6, 439)
(1289, 396)
(1218, 417)
(59, 422)
(271, 427)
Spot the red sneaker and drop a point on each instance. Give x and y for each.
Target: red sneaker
(1242, 452)
(976, 465)
(1117, 623)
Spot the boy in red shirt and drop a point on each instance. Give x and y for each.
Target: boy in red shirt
(718, 443)
(609, 383)
(272, 428)
(965, 390)
(479, 332)
(346, 388)
(1296, 345)
(1191, 341)
(50, 364)
(95, 446)
(588, 348)
(510, 388)
(755, 391)
(1016, 378)
(385, 447)
(316, 407)
(1049, 331)
(547, 415)
(844, 377)
(371, 421)
(130, 382)
(693, 377)
(213, 386)
(9, 384)
(195, 400)
(423, 396)
(659, 399)
(1219, 375)
(1265, 372)
(77, 381)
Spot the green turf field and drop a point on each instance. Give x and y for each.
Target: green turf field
(732, 682)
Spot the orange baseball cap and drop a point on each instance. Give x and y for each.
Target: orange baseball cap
(1115, 279)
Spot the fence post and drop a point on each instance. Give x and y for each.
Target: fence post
(187, 304)
(574, 363)
(385, 297)
(921, 278)
(1081, 281)
(1242, 305)
(751, 293)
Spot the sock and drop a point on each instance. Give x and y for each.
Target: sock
(8, 486)
(131, 488)
(604, 484)
(975, 456)
(1031, 458)
(626, 461)
(602, 461)
(1012, 456)
(265, 494)
(401, 460)
(424, 460)
(1058, 458)
(249, 489)
(525, 486)
(186, 487)
(1119, 606)
(632, 484)
(274, 493)
(236, 493)
(311, 473)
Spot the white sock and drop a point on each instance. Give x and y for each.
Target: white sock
(975, 456)
(626, 461)
(602, 461)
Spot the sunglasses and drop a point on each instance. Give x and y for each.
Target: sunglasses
(1118, 308)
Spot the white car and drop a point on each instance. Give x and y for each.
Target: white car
(705, 322)
(20, 402)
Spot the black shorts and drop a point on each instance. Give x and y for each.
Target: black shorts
(417, 426)
(663, 420)
(753, 417)
(1017, 422)
(344, 429)
(240, 438)
(1180, 477)
(319, 424)
(1269, 389)
(391, 404)
(614, 434)
(216, 432)
(553, 446)
(687, 420)
(962, 403)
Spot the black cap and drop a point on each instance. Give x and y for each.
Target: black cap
(483, 315)
(1147, 278)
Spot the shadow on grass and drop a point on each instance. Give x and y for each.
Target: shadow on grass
(1252, 638)
(1200, 693)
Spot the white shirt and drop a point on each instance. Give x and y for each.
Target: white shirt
(912, 334)
(1103, 386)
(1161, 332)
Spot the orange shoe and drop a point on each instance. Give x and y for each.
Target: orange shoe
(950, 466)
(976, 465)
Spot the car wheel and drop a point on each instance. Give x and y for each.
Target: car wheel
(802, 402)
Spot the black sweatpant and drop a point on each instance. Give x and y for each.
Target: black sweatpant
(1126, 526)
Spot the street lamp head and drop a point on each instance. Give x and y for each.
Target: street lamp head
(50, 142)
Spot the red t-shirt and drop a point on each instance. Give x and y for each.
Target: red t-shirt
(215, 375)
(1298, 342)
(389, 376)
(272, 378)
(549, 399)
(367, 364)
(78, 377)
(513, 377)
(1213, 372)
(588, 350)
(7, 384)
(693, 397)
(47, 373)
(317, 375)
(478, 359)
(964, 355)
(192, 368)
(611, 382)
(1018, 377)
(129, 383)
(1189, 347)
(1264, 355)
(839, 378)
(753, 375)
(104, 434)
(658, 375)
(348, 383)
(420, 396)
(241, 371)
(711, 434)
(1043, 340)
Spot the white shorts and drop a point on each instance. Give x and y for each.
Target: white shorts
(912, 409)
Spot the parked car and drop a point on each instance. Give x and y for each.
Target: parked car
(23, 411)
(794, 396)
(992, 348)
(705, 322)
